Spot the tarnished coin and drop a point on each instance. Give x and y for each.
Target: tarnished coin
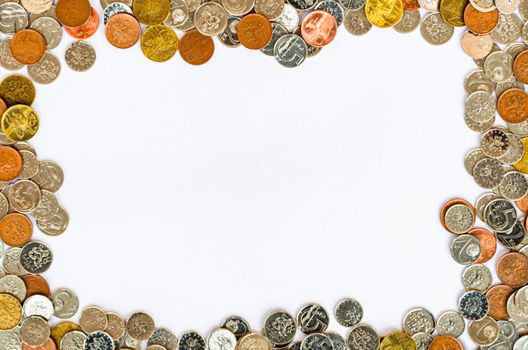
(221, 339)
(480, 106)
(512, 269)
(36, 284)
(279, 328)
(450, 323)
(159, 43)
(66, 304)
(477, 277)
(465, 249)
(488, 173)
(93, 319)
(49, 176)
(50, 30)
(272, 9)
(195, 48)
(80, 56)
(384, 14)
(116, 327)
(10, 311)
(36, 257)
(34, 331)
(409, 22)
(290, 50)
(317, 341)
(508, 30)
(237, 325)
(73, 340)
(313, 318)
(17, 89)
(363, 337)
(453, 12)
(140, 326)
(151, 12)
(191, 341)
(484, 332)
(356, 22)
(418, 320)
(15, 18)
(15, 229)
(98, 340)
(164, 338)
(348, 312)
(210, 19)
(473, 305)
(56, 225)
(12, 263)
(253, 341)
(494, 143)
(38, 305)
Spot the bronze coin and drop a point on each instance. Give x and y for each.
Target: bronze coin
(488, 243)
(512, 269)
(513, 106)
(254, 31)
(15, 229)
(480, 22)
(520, 67)
(445, 342)
(28, 46)
(87, 29)
(11, 163)
(522, 204)
(319, 28)
(122, 30)
(48, 345)
(3, 107)
(36, 284)
(73, 13)
(411, 5)
(498, 297)
(196, 48)
(449, 204)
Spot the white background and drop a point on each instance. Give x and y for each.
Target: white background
(241, 186)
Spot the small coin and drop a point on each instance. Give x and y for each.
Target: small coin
(73, 13)
(465, 249)
(313, 318)
(319, 28)
(317, 341)
(473, 305)
(356, 22)
(151, 12)
(167, 339)
(210, 19)
(140, 326)
(500, 215)
(363, 337)
(484, 332)
(408, 23)
(254, 31)
(516, 311)
(515, 151)
(498, 66)
(123, 31)
(290, 50)
(194, 341)
(348, 312)
(34, 331)
(279, 328)
(87, 29)
(36, 257)
(450, 323)
(514, 186)
(46, 71)
(17, 89)
(11, 163)
(418, 320)
(236, 324)
(159, 43)
(98, 340)
(512, 269)
(10, 340)
(195, 48)
(62, 329)
(66, 304)
(38, 305)
(513, 106)
(384, 14)
(47, 208)
(422, 340)
(253, 341)
(80, 56)
(93, 319)
(477, 277)
(116, 326)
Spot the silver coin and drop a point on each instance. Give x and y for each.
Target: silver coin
(229, 36)
(422, 340)
(30, 167)
(473, 305)
(50, 29)
(435, 30)
(13, 285)
(507, 337)
(514, 237)
(520, 129)
(332, 7)
(46, 71)
(352, 4)
(465, 249)
(479, 127)
(80, 56)
(450, 323)
(36, 257)
(10, 340)
(488, 173)
(50, 176)
(356, 22)
(238, 7)
(494, 143)
(498, 66)
(165, 338)
(317, 341)
(93, 319)
(279, 328)
(4, 205)
(47, 208)
(302, 4)
(313, 318)
(38, 305)
(484, 332)
(508, 30)
(483, 5)
(516, 312)
(521, 343)
(34, 331)
(116, 326)
(506, 85)
(472, 158)
(289, 18)
(191, 341)
(500, 215)
(409, 22)
(514, 185)
(290, 50)
(210, 19)
(56, 225)
(458, 219)
(418, 320)
(140, 326)
(179, 13)
(115, 8)
(236, 324)
(98, 341)
(272, 9)
(278, 31)
(480, 106)
(363, 337)
(13, 17)
(65, 303)
(24, 196)
(348, 312)
(221, 339)
(515, 150)
(477, 277)
(429, 5)
(507, 6)
(73, 340)
(521, 299)
(7, 61)
(338, 343)
(477, 81)
(12, 263)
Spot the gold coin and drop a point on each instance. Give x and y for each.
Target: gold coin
(522, 165)
(151, 12)
(19, 123)
(17, 89)
(159, 43)
(61, 329)
(384, 13)
(452, 11)
(398, 341)
(10, 312)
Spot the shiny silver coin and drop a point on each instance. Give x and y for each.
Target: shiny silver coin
(49, 176)
(459, 218)
(236, 324)
(500, 215)
(498, 66)
(165, 338)
(348, 312)
(179, 13)
(317, 341)
(517, 312)
(450, 323)
(363, 337)
(290, 50)
(36, 257)
(65, 303)
(191, 341)
(435, 30)
(465, 249)
(13, 18)
(521, 343)
(338, 343)
(73, 340)
(98, 341)
(24, 196)
(313, 318)
(38, 305)
(289, 18)
(477, 81)
(512, 238)
(418, 320)
(278, 31)
(473, 305)
(477, 277)
(514, 185)
(221, 339)
(47, 207)
(279, 328)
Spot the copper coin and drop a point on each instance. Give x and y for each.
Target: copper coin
(15, 229)
(122, 30)
(36, 284)
(488, 243)
(445, 342)
(512, 269)
(48, 345)
(196, 48)
(411, 5)
(3, 107)
(480, 22)
(522, 204)
(28, 46)
(87, 29)
(498, 297)
(73, 13)
(319, 28)
(449, 204)
(254, 31)
(11, 163)
(520, 67)
(513, 106)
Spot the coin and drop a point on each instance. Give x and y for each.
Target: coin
(514, 186)
(17, 89)
(179, 13)
(73, 13)
(515, 151)
(61, 330)
(10, 311)
(384, 13)
(11, 163)
(480, 106)
(93, 319)
(272, 9)
(422, 340)
(123, 31)
(476, 46)
(279, 328)
(195, 48)
(10, 340)
(13, 267)
(408, 23)
(356, 22)
(38, 305)
(398, 340)
(229, 36)
(484, 332)
(7, 60)
(36, 284)
(313, 318)
(253, 341)
(512, 269)
(116, 326)
(513, 106)
(16, 18)
(449, 204)
(151, 12)
(477, 277)
(450, 323)
(500, 215)
(87, 29)
(15, 229)
(24, 196)
(488, 173)
(418, 320)
(140, 326)
(98, 340)
(363, 337)
(34, 331)
(289, 17)
(47, 207)
(221, 339)
(473, 305)
(165, 338)
(333, 8)
(508, 30)
(13, 285)
(459, 218)
(494, 143)
(193, 341)
(498, 66)
(348, 312)
(36, 257)
(50, 30)
(115, 8)
(66, 304)
(46, 71)
(49, 176)
(210, 19)
(159, 43)
(73, 340)
(254, 31)
(290, 50)
(80, 56)
(480, 22)
(319, 28)
(498, 296)
(520, 67)
(56, 225)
